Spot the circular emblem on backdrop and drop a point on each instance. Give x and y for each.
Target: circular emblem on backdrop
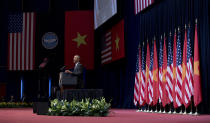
(50, 40)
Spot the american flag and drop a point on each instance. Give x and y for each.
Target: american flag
(169, 74)
(140, 84)
(137, 79)
(150, 81)
(189, 71)
(143, 77)
(140, 5)
(160, 67)
(21, 41)
(106, 53)
(178, 85)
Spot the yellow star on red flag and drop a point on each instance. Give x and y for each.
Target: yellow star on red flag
(80, 39)
(196, 71)
(117, 42)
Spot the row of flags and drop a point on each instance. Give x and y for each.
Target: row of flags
(25, 38)
(27, 29)
(173, 77)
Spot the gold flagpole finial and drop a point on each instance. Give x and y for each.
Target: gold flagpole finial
(196, 21)
(139, 45)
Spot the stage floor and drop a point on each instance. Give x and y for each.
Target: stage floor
(25, 115)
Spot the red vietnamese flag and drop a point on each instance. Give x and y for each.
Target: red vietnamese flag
(118, 41)
(155, 76)
(113, 44)
(147, 74)
(165, 94)
(140, 80)
(79, 38)
(174, 71)
(196, 77)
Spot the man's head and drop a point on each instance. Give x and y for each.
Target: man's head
(76, 58)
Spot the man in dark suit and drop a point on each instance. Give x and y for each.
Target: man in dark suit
(78, 71)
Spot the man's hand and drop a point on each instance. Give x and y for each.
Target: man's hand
(68, 71)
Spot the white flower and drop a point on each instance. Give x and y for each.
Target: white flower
(50, 110)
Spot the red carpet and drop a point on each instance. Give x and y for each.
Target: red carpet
(116, 116)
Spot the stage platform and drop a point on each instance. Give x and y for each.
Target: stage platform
(79, 94)
(41, 107)
(26, 115)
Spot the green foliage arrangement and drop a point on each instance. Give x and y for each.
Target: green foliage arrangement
(85, 107)
(15, 104)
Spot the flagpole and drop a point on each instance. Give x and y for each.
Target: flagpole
(157, 106)
(160, 111)
(175, 111)
(191, 108)
(156, 109)
(164, 110)
(147, 75)
(170, 104)
(147, 108)
(184, 58)
(196, 111)
(160, 107)
(170, 109)
(181, 111)
(185, 112)
(191, 104)
(138, 109)
(151, 109)
(163, 68)
(142, 109)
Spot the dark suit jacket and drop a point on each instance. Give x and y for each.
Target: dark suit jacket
(78, 71)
